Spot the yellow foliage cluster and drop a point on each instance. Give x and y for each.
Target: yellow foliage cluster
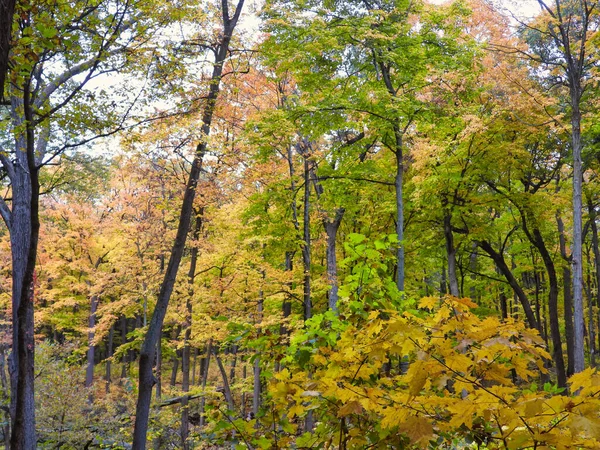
(468, 380)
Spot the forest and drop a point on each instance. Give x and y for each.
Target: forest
(294, 224)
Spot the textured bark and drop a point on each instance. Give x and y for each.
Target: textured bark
(331, 228)
(146, 362)
(7, 9)
(23, 225)
(578, 318)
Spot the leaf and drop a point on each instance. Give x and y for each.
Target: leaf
(418, 429)
(353, 407)
(429, 302)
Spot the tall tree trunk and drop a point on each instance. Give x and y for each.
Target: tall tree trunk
(7, 9)
(590, 298)
(331, 228)
(398, 187)
(125, 357)
(204, 380)
(23, 225)
(89, 373)
(535, 237)
(451, 254)
(257, 387)
(185, 357)
(146, 379)
(578, 319)
(307, 301)
(5, 396)
(596, 250)
(226, 388)
(568, 299)
(109, 354)
(159, 365)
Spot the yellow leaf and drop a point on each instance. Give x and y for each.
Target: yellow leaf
(417, 429)
(583, 379)
(429, 302)
(353, 407)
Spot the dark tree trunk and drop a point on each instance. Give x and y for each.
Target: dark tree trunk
(185, 357)
(256, 372)
(498, 259)
(331, 228)
(226, 388)
(535, 237)
(125, 357)
(596, 250)
(174, 368)
(450, 254)
(109, 353)
(204, 380)
(307, 301)
(159, 365)
(89, 373)
(567, 299)
(7, 8)
(5, 396)
(146, 378)
(398, 187)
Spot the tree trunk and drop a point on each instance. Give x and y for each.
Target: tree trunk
(451, 254)
(568, 299)
(578, 319)
(7, 9)
(596, 250)
(124, 358)
(159, 365)
(535, 237)
(307, 302)
(398, 186)
(256, 387)
(109, 353)
(23, 225)
(204, 380)
(331, 228)
(146, 379)
(226, 387)
(185, 357)
(89, 373)
(512, 281)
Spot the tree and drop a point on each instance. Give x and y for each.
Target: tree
(146, 379)
(559, 41)
(7, 10)
(56, 53)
